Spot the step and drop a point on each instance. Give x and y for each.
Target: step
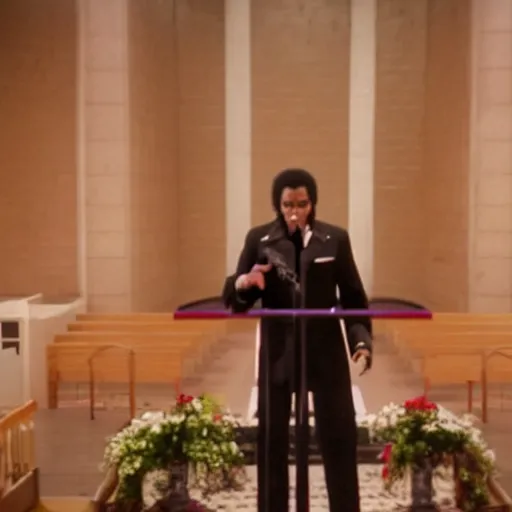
(71, 504)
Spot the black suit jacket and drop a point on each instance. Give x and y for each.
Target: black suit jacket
(329, 266)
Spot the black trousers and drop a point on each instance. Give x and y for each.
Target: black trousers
(336, 431)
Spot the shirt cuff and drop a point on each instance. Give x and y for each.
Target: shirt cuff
(239, 282)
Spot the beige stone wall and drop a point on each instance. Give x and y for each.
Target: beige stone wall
(490, 249)
(201, 152)
(422, 152)
(38, 225)
(399, 219)
(154, 154)
(104, 157)
(148, 106)
(300, 78)
(446, 155)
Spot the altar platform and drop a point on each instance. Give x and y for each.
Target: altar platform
(69, 446)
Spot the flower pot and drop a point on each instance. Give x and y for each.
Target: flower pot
(422, 488)
(178, 485)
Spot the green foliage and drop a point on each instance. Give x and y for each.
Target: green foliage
(195, 432)
(418, 433)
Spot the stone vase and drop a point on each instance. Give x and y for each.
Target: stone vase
(178, 493)
(422, 488)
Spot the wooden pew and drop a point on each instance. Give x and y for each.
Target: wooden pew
(192, 344)
(391, 326)
(75, 362)
(125, 317)
(460, 358)
(496, 368)
(478, 317)
(407, 337)
(208, 326)
(221, 327)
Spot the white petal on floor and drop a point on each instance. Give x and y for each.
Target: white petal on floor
(373, 496)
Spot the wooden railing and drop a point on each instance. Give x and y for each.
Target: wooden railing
(19, 489)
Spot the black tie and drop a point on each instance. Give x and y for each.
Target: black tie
(296, 238)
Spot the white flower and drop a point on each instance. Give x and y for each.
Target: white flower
(369, 420)
(156, 428)
(176, 419)
(490, 456)
(197, 405)
(382, 422)
(229, 418)
(153, 417)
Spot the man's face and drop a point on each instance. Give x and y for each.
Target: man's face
(295, 207)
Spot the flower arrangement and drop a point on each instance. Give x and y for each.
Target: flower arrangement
(195, 434)
(418, 434)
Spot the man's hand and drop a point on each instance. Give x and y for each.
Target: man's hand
(255, 277)
(363, 356)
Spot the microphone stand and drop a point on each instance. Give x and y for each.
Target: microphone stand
(300, 383)
(302, 407)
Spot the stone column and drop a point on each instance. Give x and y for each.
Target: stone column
(490, 201)
(361, 135)
(238, 127)
(104, 195)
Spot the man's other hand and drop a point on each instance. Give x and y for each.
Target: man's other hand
(362, 357)
(255, 277)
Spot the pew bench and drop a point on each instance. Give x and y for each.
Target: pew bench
(89, 363)
(390, 326)
(151, 318)
(125, 317)
(463, 358)
(409, 337)
(192, 344)
(215, 328)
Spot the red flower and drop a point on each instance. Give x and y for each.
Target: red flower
(386, 453)
(217, 417)
(420, 404)
(184, 399)
(194, 506)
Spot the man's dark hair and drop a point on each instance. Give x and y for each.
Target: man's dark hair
(293, 178)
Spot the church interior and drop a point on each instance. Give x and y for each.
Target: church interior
(138, 143)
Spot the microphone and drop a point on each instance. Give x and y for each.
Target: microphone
(283, 270)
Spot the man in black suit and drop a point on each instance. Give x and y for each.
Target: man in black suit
(324, 253)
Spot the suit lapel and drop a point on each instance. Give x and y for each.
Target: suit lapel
(314, 247)
(276, 238)
(314, 240)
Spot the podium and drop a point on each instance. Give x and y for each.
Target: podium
(302, 409)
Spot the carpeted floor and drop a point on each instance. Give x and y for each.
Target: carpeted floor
(373, 497)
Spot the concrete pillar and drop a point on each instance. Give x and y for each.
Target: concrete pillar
(361, 135)
(490, 201)
(238, 126)
(103, 155)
